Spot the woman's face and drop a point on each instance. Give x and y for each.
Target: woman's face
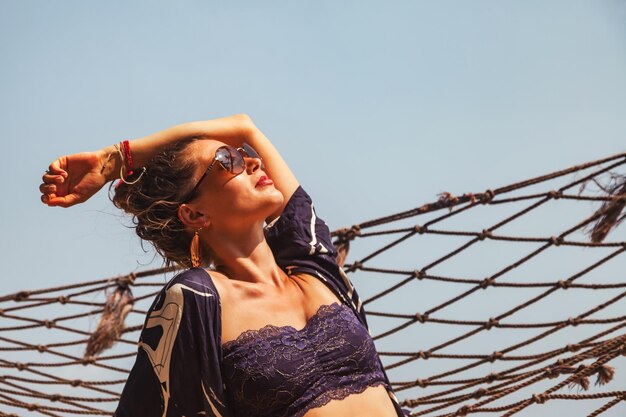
(229, 200)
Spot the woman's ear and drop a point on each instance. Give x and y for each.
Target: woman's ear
(192, 218)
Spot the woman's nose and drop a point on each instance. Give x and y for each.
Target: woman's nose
(252, 164)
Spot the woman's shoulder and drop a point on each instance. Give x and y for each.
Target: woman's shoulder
(197, 280)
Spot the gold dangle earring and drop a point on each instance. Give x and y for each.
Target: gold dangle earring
(196, 253)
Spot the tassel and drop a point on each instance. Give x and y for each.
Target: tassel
(605, 374)
(611, 210)
(582, 381)
(195, 250)
(111, 325)
(342, 252)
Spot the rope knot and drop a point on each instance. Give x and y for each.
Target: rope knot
(539, 398)
(419, 274)
(492, 377)
(491, 323)
(487, 196)
(354, 231)
(62, 299)
(463, 411)
(76, 383)
(486, 282)
(424, 354)
(552, 372)
(21, 296)
(355, 265)
(556, 240)
(346, 235)
(479, 393)
(42, 348)
(572, 347)
(564, 284)
(555, 194)
(20, 366)
(486, 233)
(494, 356)
(32, 407)
(422, 383)
(49, 323)
(1, 311)
(421, 317)
(126, 280)
(573, 321)
(55, 397)
(449, 199)
(88, 360)
(470, 196)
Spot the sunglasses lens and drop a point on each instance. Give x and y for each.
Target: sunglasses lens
(239, 165)
(231, 159)
(223, 156)
(251, 153)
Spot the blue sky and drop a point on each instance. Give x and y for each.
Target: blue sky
(377, 106)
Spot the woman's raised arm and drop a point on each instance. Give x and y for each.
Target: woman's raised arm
(73, 179)
(235, 130)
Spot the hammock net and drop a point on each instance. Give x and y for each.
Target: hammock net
(503, 302)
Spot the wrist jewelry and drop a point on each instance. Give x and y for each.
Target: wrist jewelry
(123, 149)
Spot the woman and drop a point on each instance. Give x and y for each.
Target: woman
(274, 327)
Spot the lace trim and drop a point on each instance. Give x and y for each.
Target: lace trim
(278, 370)
(338, 394)
(270, 329)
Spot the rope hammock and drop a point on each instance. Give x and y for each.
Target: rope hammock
(483, 313)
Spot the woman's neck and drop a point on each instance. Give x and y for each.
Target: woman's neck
(246, 256)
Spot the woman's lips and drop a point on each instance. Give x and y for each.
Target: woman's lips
(264, 181)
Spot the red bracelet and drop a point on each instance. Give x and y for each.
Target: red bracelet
(128, 156)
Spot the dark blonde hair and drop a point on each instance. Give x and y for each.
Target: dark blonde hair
(154, 200)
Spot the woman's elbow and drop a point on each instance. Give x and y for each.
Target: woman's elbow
(244, 122)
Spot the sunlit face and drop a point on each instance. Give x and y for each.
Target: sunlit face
(229, 199)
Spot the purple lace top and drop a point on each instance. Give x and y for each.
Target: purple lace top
(282, 371)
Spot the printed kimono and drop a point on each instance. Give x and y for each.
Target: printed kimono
(177, 371)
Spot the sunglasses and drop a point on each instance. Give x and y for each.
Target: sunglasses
(231, 159)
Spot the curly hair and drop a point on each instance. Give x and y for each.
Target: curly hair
(153, 202)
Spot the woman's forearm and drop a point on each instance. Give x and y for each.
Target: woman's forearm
(231, 130)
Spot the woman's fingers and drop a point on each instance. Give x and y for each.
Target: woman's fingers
(55, 172)
(54, 176)
(47, 188)
(65, 201)
(48, 178)
(57, 166)
(45, 198)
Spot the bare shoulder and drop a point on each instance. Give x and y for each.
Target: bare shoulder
(222, 284)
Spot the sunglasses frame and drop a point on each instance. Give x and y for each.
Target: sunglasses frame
(245, 148)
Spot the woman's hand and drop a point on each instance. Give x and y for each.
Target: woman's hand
(73, 179)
